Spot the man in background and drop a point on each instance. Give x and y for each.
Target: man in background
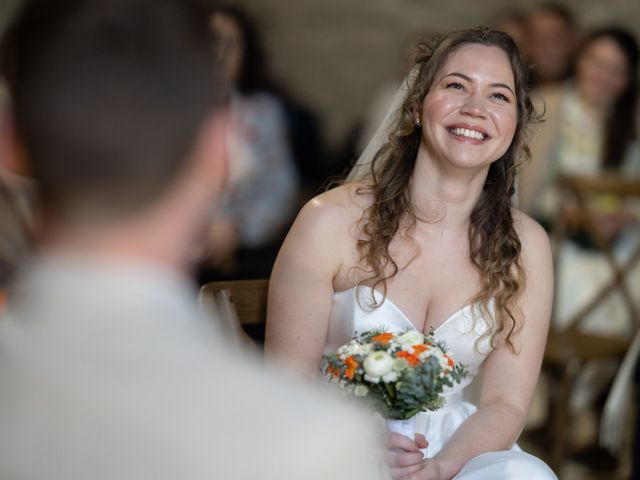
(107, 371)
(551, 43)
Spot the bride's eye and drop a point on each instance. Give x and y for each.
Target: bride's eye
(455, 85)
(501, 96)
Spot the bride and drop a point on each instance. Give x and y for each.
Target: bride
(423, 236)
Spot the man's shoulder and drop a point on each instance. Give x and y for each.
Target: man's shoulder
(211, 411)
(314, 427)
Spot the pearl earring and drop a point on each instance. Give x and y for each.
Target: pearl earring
(418, 121)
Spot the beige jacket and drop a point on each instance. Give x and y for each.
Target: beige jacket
(108, 372)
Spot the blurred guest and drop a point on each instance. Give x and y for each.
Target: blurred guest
(551, 43)
(263, 194)
(590, 128)
(16, 206)
(590, 121)
(108, 371)
(240, 50)
(514, 24)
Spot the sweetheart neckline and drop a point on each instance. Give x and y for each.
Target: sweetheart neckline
(402, 314)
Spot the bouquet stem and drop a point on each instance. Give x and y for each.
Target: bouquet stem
(403, 427)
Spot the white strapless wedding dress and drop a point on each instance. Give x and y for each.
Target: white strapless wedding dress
(349, 317)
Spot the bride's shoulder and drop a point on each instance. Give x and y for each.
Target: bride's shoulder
(323, 230)
(533, 238)
(340, 206)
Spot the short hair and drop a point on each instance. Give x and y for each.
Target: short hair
(108, 96)
(559, 10)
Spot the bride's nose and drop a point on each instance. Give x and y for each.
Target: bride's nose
(474, 107)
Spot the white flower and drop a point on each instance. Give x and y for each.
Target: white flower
(361, 390)
(371, 379)
(378, 363)
(426, 354)
(410, 338)
(348, 388)
(354, 348)
(390, 376)
(443, 359)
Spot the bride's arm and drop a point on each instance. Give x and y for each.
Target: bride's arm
(509, 378)
(301, 285)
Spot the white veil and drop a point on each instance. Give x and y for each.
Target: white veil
(362, 167)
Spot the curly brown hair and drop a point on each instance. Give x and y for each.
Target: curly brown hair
(494, 244)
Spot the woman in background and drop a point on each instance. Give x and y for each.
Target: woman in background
(590, 122)
(263, 194)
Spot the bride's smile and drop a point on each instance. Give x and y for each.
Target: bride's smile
(464, 132)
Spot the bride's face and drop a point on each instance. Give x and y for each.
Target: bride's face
(470, 113)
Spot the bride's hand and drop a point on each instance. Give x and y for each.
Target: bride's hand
(430, 470)
(403, 455)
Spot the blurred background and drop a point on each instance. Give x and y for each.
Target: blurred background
(333, 56)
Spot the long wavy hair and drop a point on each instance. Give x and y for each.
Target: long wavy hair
(252, 76)
(494, 244)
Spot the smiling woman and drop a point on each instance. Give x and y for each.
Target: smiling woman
(426, 220)
(471, 103)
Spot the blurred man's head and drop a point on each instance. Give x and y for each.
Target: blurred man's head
(551, 42)
(109, 99)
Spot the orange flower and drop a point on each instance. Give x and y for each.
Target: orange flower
(410, 358)
(352, 364)
(418, 349)
(383, 338)
(332, 371)
(450, 361)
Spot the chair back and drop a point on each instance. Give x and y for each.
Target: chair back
(570, 348)
(580, 192)
(241, 304)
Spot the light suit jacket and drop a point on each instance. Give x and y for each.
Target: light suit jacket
(109, 372)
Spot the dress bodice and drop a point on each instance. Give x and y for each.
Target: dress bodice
(462, 334)
(352, 314)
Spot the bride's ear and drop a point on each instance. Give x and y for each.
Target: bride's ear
(417, 116)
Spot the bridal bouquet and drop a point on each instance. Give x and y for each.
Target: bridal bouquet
(399, 375)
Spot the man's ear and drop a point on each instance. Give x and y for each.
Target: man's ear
(13, 158)
(211, 156)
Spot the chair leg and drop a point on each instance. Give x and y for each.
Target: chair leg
(561, 415)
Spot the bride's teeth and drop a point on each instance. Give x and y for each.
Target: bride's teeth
(465, 132)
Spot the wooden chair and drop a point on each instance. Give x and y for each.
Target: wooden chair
(242, 305)
(569, 349)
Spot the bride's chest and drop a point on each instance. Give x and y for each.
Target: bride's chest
(464, 332)
(429, 286)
